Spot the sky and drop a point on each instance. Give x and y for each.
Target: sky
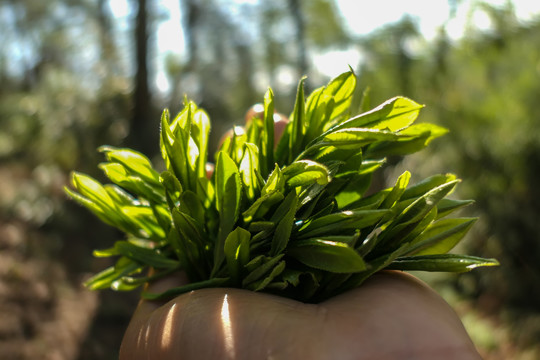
(360, 19)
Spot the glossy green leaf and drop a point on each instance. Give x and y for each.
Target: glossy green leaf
(336, 223)
(305, 172)
(106, 278)
(410, 140)
(275, 182)
(394, 114)
(297, 120)
(135, 162)
(190, 204)
(177, 152)
(327, 255)
(200, 131)
(260, 267)
(262, 206)
(145, 256)
(441, 236)
(228, 195)
(284, 226)
(397, 190)
(408, 220)
(264, 283)
(267, 137)
(447, 206)
(426, 185)
(92, 190)
(319, 108)
(236, 249)
(441, 262)
(144, 218)
(341, 88)
(248, 167)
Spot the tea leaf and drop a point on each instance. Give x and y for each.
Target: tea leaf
(267, 137)
(145, 256)
(297, 121)
(284, 226)
(228, 194)
(236, 251)
(305, 172)
(342, 221)
(327, 255)
(441, 262)
(441, 236)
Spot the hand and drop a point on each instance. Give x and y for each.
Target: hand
(391, 316)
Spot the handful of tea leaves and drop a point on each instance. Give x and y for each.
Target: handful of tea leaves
(293, 219)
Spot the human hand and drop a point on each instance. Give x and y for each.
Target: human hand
(391, 316)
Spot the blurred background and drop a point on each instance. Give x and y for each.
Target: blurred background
(76, 74)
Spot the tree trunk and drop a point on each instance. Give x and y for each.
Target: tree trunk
(141, 124)
(296, 12)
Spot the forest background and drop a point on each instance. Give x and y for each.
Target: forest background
(76, 74)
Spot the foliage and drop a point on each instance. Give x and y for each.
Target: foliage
(295, 220)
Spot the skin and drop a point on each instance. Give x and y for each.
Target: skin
(392, 315)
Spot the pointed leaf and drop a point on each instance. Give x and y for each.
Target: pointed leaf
(327, 255)
(441, 262)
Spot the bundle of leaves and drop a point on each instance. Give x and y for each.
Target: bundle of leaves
(293, 219)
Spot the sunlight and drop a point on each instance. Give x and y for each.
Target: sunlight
(227, 329)
(166, 337)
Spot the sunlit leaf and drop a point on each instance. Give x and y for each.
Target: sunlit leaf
(327, 255)
(441, 262)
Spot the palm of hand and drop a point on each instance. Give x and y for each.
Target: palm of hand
(392, 316)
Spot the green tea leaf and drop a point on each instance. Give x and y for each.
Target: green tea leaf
(135, 162)
(410, 140)
(319, 108)
(92, 190)
(305, 172)
(264, 283)
(248, 167)
(200, 131)
(447, 206)
(150, 257)
(426, 185)
(106, 278)
(341, 88)
(267, 137)
(327, 255)
(275, 182)
(143, 217)
(284, 226)
(395, 114)
(441, 262)
(190, 204)
(441, 236)
(397, 190)
(228, 195)
(177, 153)
(236, 251)
(260, 266)
(297, 120)
(336, 223)
(262, 206)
